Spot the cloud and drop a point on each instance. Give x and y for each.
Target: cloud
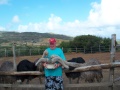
(105, 13)
(53, 25)
(2, 28)
(103, 20)
(13, 23)
(15, 19)
(54, 22)
(4, 1)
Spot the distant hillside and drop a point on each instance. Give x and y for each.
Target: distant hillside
(29, 37)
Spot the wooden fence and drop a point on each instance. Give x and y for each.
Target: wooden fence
(7, 52)
(110, 85)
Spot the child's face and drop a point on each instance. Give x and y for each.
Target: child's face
(53, 46)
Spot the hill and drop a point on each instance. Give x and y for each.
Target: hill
(30, 37)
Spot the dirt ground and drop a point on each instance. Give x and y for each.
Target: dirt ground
(102, 57)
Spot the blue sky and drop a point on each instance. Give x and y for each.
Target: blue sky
(68, 17)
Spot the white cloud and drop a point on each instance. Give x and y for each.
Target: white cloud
(105, 13)
(53, 25)
(4, 1)
(13, 23)
(2, 28)
(32, 27)
(54, 22)
(103, 20)
(15, 19)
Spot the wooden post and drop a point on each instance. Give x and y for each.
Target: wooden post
(38, 52)
(99, 48)
(5, 53)
(14, 56)
(19, 52)
(91, 49)
(76, 49)
(112, 59)
(84, 49)
(109, 48)
(30, 51)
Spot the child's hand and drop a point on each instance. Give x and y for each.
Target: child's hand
(45, 64)
(56, 65)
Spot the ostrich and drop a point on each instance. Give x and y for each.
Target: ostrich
(7, 66)
(91, 76)
(26, 65)
(73, 75)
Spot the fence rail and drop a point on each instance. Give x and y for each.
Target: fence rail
(66, 86)
(30, 52)
(80, 68)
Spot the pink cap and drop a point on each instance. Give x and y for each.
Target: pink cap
(52, 40)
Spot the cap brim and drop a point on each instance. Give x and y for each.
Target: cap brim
(52, 43)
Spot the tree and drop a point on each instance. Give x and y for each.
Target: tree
(87, 42)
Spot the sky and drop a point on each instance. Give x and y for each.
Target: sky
(67, 17)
